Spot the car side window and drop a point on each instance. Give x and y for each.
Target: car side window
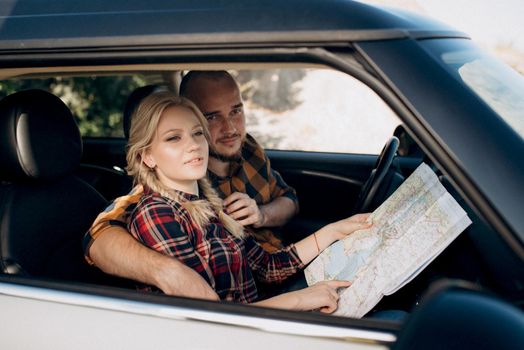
(315, 110)
(97, 102)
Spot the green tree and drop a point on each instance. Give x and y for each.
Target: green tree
(96, 102)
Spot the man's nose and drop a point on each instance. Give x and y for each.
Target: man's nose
(228, 126)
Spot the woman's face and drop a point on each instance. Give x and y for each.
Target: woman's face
(179, 151)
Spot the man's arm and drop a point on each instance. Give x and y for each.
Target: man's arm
(284, 202)
(116, 252)
(277, 212)
(278, 201)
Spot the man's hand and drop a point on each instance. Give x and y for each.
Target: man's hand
(244, 209)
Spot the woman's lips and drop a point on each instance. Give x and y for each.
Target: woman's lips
(195, 161)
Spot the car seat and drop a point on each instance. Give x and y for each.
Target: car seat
(109, 182)
(44, 209)
(456, 315)
(134, 100)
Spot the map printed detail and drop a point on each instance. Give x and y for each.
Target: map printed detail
(410, 229)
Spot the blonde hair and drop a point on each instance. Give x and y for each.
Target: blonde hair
(144, 125)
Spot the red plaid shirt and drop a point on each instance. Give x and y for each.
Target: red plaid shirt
(227, 263)
(252, 174)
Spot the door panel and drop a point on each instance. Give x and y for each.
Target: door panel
(327, 184)
(104, 152)
(102, 166)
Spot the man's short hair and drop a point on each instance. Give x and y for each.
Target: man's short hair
(208, 74)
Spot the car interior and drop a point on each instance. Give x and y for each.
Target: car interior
(54, 182)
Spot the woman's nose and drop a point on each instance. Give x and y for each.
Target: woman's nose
(193, 144)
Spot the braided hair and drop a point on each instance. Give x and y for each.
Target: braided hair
(145, 120)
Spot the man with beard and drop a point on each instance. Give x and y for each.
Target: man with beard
(253, 193)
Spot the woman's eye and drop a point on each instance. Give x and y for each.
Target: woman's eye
(173, 138)
(199, 133)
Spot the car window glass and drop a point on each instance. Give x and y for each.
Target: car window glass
(97, 102)
(315, 110)
(288, 109)
(501, 87)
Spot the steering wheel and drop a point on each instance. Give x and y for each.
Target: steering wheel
(381, 168)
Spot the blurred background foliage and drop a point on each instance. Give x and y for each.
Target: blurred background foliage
(273, 89)
(96, 102)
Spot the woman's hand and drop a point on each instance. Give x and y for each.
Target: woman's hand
(341, 229)
(321, 296)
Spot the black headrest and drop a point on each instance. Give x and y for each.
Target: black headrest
(39, 138)
(134, 100)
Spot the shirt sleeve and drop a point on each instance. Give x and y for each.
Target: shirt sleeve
(272, 267)
(157, 225)
(116, 214)
(277, 186)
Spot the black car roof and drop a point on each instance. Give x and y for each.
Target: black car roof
(53, 24)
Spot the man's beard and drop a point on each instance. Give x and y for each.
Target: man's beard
(225, 158)
(228, 158)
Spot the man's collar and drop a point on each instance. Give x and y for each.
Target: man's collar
(235, 165)
(233, 168)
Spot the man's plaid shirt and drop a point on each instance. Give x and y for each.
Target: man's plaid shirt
(252, 175)
(227, 263)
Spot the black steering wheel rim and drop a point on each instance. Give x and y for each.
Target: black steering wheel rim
(381, 168)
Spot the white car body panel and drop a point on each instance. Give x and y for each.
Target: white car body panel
(110, 323)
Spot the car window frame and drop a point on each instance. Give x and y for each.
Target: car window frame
(263, 56)
(346, 60)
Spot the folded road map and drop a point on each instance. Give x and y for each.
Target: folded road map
(410, 229)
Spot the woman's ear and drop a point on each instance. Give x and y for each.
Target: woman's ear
(148, 160)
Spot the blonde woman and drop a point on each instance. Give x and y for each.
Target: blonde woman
(181, 215)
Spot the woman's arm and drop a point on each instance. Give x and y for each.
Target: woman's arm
(276, 267)
(311, 246)
(322, 296)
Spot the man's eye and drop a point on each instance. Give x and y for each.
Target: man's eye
(236, 111)
(211, 117)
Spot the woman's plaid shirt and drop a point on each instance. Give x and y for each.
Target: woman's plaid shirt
(227, 263)
(252, 174)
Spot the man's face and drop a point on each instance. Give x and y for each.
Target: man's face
(221, 103)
